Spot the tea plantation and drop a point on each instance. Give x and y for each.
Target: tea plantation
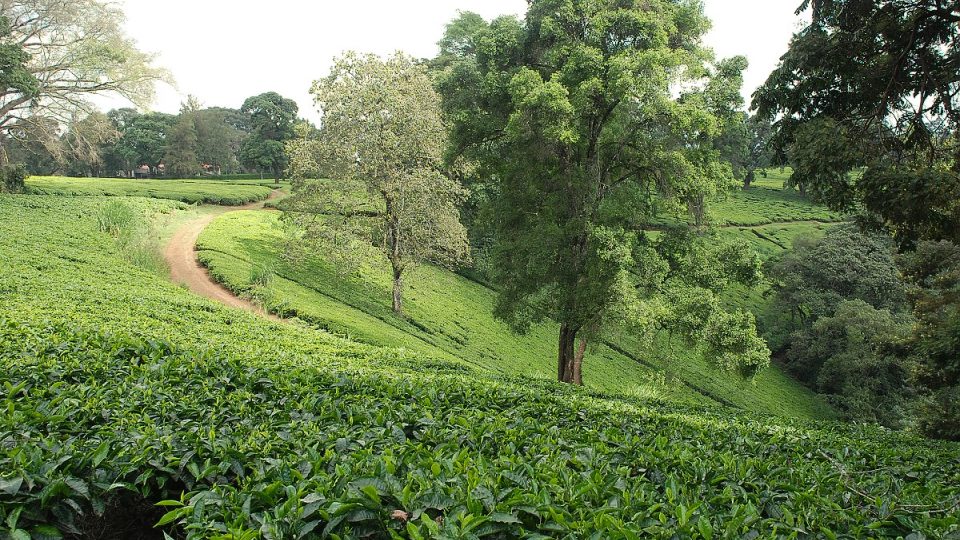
(127, 402)
(450, 316)
(210, 191)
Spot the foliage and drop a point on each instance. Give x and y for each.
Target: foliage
(115, 217)
(591, 118)
(281, 431)
(848, 323)
(72, 51)
(15, 75)
(143, 139)
(181, 158)
(845, 264)
(933, 276)
(36, 143)
(14, 178)
(134, 237)
(85, 142)
(188, 191)
(271, 119)
(383, 131)
(852, 356)
(870, 87)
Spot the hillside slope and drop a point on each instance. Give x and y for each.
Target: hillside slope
(450, 317)
(122, 390)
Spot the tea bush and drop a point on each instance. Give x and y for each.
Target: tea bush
(126, 402)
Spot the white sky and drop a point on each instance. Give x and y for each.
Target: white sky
(223, 51)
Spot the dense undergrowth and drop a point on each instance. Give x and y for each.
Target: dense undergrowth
(188, 191)
(127, 401)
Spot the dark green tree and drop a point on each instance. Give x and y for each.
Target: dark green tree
(272, 119)
(932, 273)
(143, 139)
(867, 110)
(180, 157)
(573, 116)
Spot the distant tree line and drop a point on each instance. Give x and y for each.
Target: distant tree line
(127, 142)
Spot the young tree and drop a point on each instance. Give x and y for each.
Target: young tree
(382, 128)
(591, 117)
(73, 51)
(272, 118)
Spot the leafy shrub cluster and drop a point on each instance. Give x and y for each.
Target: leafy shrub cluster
(843, 318)
(12, 178)
(294, 450)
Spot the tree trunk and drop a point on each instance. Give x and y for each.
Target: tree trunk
(749, 179)
(393, 253)
(397, 290)
(566, 357)
(578, 362)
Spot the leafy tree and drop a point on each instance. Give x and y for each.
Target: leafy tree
(272, 119)
(812, 279)
(933, 276)
(218, 142)
(181, 158)
(143, 140)
(589, 118)
(71, 52)
(381, 130)
(853, 357)
(870, 87)
(849, 323)
(85, 142)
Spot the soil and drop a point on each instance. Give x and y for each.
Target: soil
(181, 256)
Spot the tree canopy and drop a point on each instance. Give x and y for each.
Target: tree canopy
(272, 118)
(867, 108)
(382, 132)
(68, 53)
(589, 118)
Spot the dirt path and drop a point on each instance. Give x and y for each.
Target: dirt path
(181, 256)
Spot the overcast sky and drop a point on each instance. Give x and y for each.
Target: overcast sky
(223, 51)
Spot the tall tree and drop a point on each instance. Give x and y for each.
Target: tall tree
(272, 119)
(218, 142)
(382, 129)
(591, 116)
(870, 87)
(74, 51)
(180, 156)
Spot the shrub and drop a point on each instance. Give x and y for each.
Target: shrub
(116, 218)
(134, 235)
(14, 177)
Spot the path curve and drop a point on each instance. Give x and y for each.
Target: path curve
(185, 268)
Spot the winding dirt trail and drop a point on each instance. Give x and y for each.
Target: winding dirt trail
(181, 257)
